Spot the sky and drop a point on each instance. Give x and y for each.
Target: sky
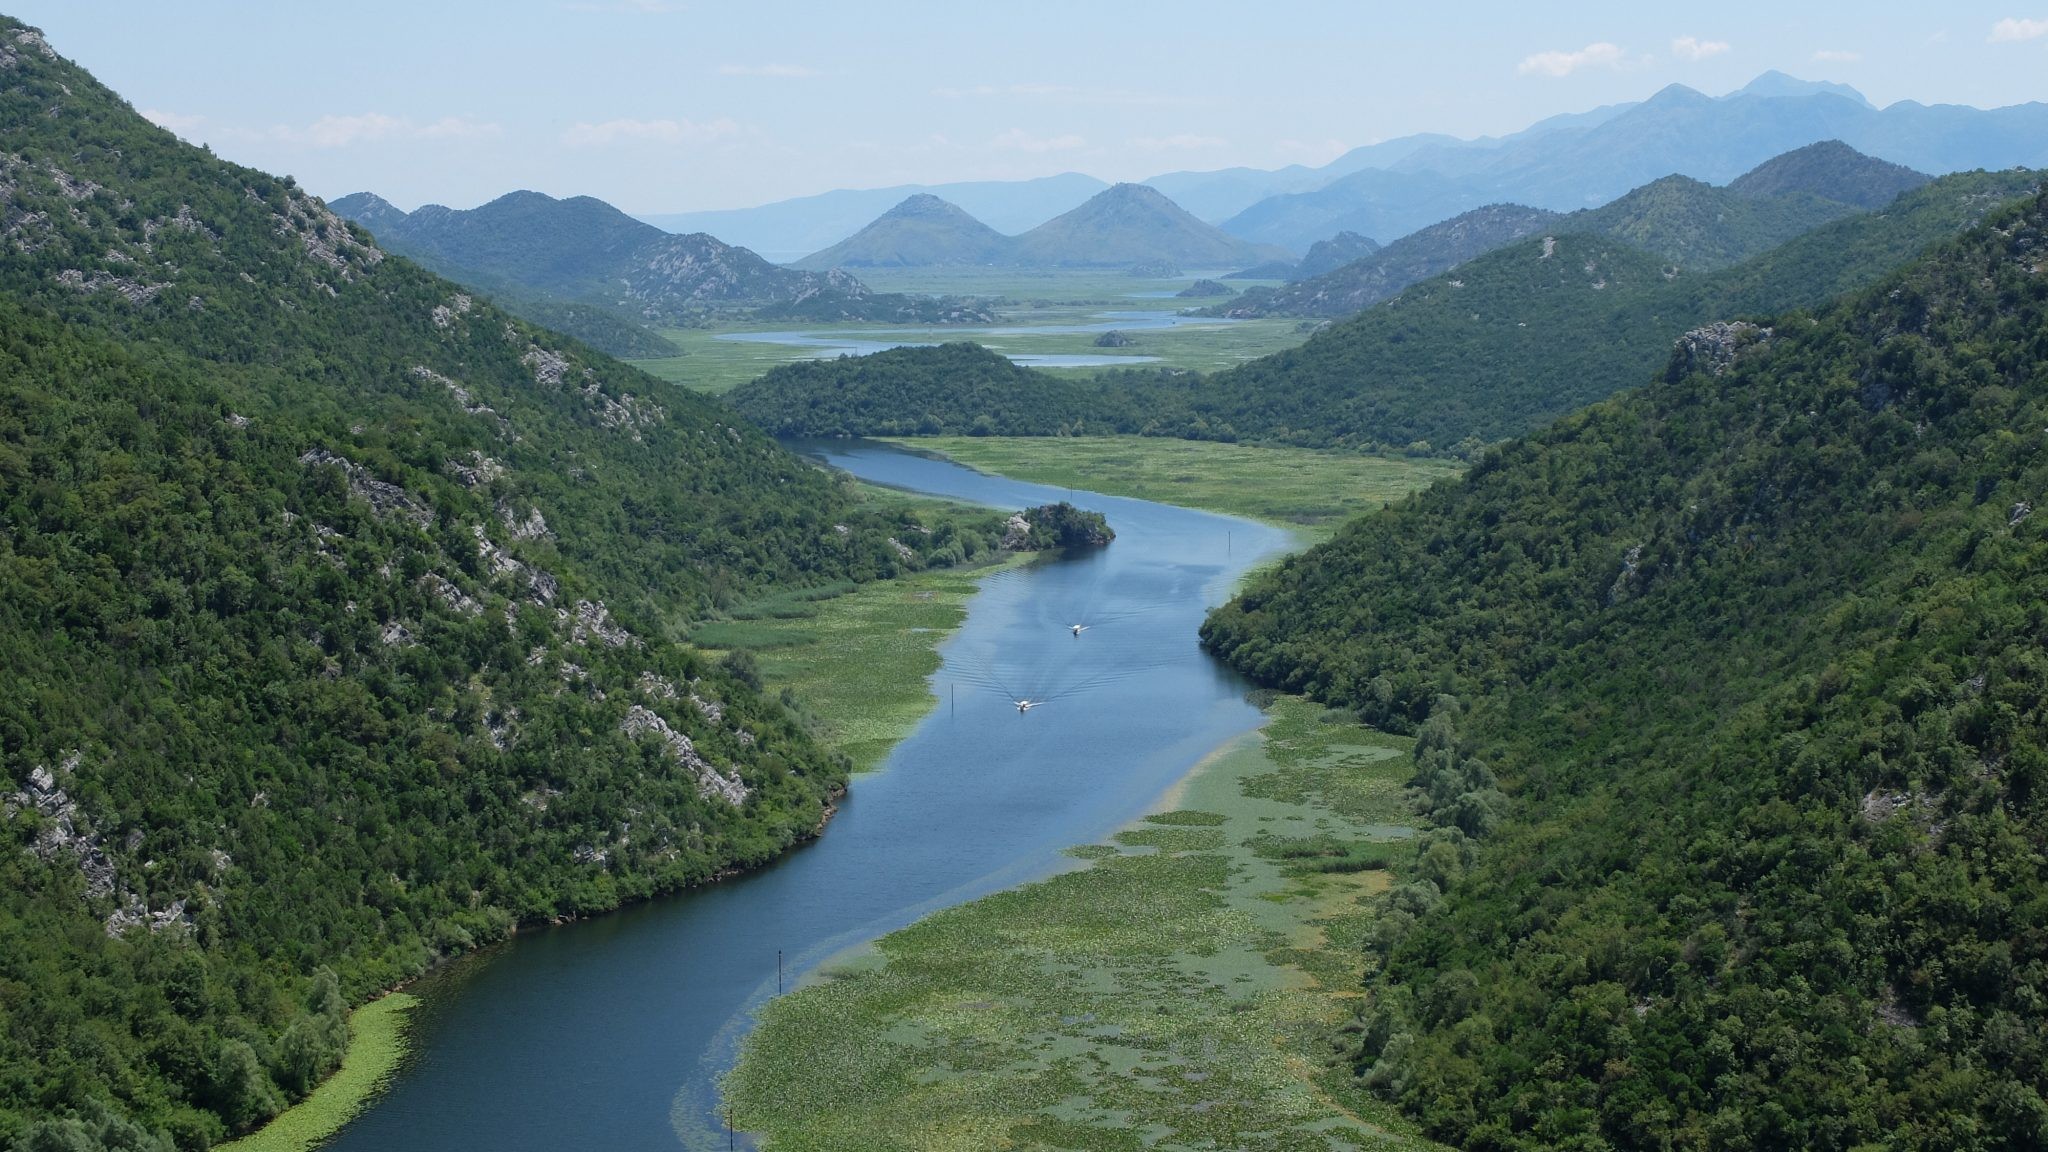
(683, 105)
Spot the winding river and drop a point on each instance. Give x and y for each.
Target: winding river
(612, 1033)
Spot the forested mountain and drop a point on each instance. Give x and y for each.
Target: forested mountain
(1508, 341)
(1731, 706)
(337, 609)
(1552, 323)
(1694, 225)
(923, 231)
(530, 247)
(1830, 170)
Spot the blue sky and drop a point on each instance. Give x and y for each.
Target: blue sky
(674, 105)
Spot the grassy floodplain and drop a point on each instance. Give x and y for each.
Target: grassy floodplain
(1178, 991)
(376, 1045)
(855, 660)
(1025, 300)
(1298, 487)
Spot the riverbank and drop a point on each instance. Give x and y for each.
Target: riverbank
(376, 1046)
(856, 664)
(1310, 491)
(1187, 984)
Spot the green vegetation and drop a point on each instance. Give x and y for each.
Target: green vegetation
(1179, 991)
(376, 1045)
(1753, 725)
(1292, 486)
(1831, 170)
(339, 613)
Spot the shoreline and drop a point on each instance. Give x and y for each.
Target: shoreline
(1199, 955)
(378, 1049)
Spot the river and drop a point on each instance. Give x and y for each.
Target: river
(612, 1033)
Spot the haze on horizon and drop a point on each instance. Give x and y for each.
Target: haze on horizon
(679, 105)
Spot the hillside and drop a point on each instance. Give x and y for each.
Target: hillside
(945, 390)
(1830, 170)
(529, 246)
(1333, 253)
(923, 231)
(336, 607)
(1731, 713)
(1699, 227)
(1516, 336)
(1132, 224)
(1380, 274)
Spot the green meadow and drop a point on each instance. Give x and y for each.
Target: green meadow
(1299, 487)
(1182, 989)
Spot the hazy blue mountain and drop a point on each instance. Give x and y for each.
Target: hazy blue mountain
(1130, 224)
(790, 229)
(1831, 170)
(1409, 260)
(922, 231)
(1577, 162)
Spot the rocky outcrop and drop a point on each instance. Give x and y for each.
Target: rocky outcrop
(387, 500)
(1203, 289)
(641, 722)
(1714, 348)
(1114, 339)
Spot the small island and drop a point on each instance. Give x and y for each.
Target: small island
(1058, 525)
(1114, 339)
(1205, 288)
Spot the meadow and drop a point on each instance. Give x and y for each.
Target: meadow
(1183, 988)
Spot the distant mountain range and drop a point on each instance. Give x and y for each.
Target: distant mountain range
(1390, 189)
(596, 272)
(1693, 225)
(1120, 227)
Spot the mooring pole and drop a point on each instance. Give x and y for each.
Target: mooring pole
(778, 971)
(729, 1139)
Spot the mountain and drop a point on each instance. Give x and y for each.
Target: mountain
(923, 231)
(1384, 273)
(1130, 224)
(1730, 714)
(336, 608)
(1592, 160)
(788, 229)
(1694, 225)
(584, 250)
(1546, 325)
(1333, 253)
(1372, 202)
(1830, 170)
(1700, 227)
(368, 209)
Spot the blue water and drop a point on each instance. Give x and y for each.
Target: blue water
(612, 1033)
(830, 343)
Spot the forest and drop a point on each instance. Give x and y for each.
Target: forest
(1729, 694)
(328, 658)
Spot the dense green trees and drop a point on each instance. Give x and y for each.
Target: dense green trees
(338, 615)
(1754, 654)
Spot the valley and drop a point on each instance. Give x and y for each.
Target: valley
(1514, 638)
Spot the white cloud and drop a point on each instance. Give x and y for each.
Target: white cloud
(376, 127)
(1836, 56)
(583, 135)
(1018, 140)
(176, 122)
(774, 71)
(2010, 30)
(1602, 54)
(1693, 48)
(1179, 142)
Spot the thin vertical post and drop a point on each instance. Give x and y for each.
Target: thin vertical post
(778, 971)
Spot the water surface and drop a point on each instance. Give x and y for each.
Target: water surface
(611, 1033)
